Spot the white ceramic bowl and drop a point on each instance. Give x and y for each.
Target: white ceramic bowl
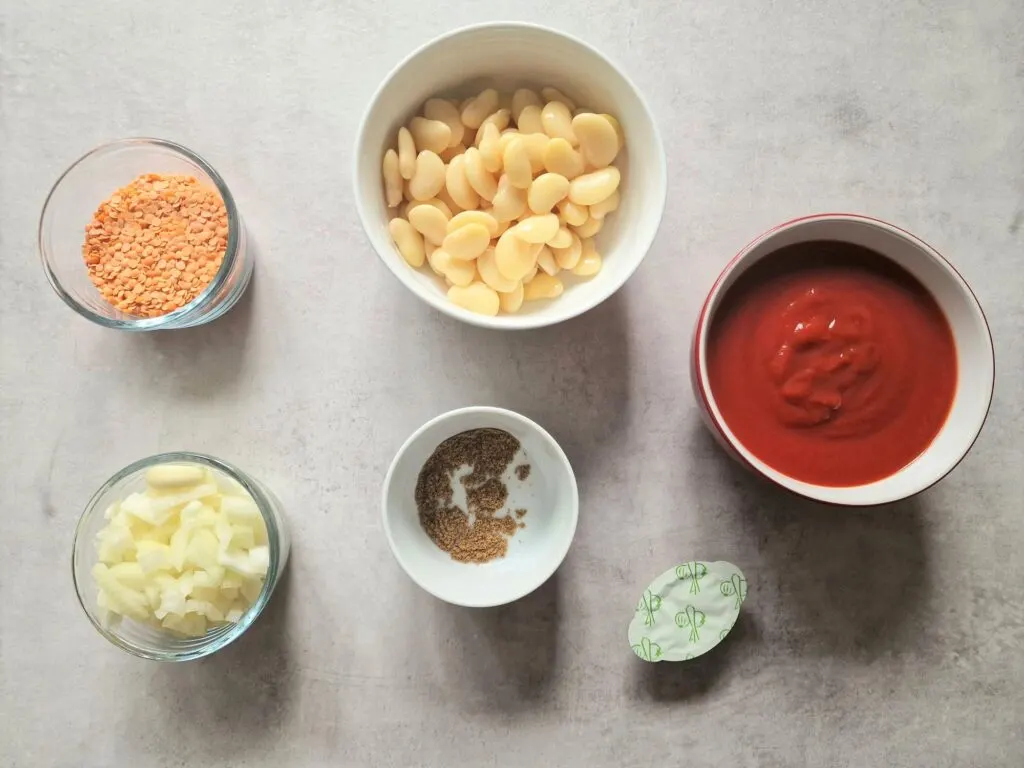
(505, 56)
(975, 354)
(534, 553)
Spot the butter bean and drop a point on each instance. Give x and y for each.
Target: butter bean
(467, 242)
(511, 301)
(530, 120)
(432, 135)
(522, 99)
(561, 158)
(589, 228)
(499, 120)
(517, 164)
(461, 273)
(438, 260)
(458, 185)
(547, 190)
(557, 121)
(590, 260)
(429, 222)
(509, 201)
(447, 113)
(562, 240)
(606, 206)
(476, 111)
(487, 266)
(406, 153)
(537, 229)
(569, 257)
(599, 143)
(550, 94)
(435, 202)
(392, 179)
(536, 145)
(506, 139)
(444, 197)
(482, 181)
(474, 217)
(456, 271)
(571, 214)
(618, 129)
(543, 286)
(546, 261)
(490, 147)
(595, 186)
(408, 240)
(429, 177)
(452, 152)
(429, 248)
(476, 297)
(531, 274)
(513, 256)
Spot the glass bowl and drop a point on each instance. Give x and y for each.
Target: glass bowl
(92, 179)
(142, 639)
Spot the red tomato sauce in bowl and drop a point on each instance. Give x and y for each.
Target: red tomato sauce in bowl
(831, 364)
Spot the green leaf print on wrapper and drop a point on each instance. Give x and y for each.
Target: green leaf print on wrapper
(693, 619)
(736, 586)
(647, 650)
(695, 572)
(649, 605)
(726, 631)
(686, 611)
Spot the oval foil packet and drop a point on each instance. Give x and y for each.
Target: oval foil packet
(687, 611)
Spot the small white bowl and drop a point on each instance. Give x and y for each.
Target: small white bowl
(534, 553)
(506, 56)
(971, 334)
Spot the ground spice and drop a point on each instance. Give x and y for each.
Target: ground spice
(476, 534)
(523, 471)
(155, 244)
(486, 498)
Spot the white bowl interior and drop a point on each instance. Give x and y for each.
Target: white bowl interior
(975, 359)
(506, 56)
(534, 552)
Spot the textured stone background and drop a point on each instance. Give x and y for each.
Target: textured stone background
(885, 638)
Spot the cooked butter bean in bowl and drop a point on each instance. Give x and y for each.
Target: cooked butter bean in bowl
(509, 175)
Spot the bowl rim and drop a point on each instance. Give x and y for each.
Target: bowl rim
(439, 301)
(527, 423)
(205, 645)
(231, 250)
(724, 434)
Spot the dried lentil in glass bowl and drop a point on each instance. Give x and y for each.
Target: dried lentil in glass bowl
(90, 188)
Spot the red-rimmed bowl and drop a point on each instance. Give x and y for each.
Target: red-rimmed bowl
(971, 335)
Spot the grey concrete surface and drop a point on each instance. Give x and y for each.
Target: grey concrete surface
(891, 637)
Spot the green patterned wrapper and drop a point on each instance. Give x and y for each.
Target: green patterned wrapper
(687, 611)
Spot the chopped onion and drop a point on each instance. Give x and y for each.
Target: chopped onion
(184, 554)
